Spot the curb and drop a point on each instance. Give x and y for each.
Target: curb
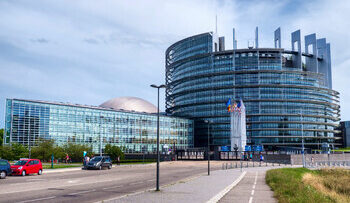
(114, 166)
(217, 197)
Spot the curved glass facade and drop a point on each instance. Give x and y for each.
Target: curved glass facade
(283, 102)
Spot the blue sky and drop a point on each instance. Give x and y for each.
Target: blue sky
(87, 52)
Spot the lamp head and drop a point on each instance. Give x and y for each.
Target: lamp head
(160, 86)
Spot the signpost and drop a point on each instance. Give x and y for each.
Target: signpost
(52, 160)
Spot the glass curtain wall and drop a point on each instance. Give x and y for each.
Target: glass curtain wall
(28, 121)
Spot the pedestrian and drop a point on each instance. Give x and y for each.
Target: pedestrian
(251, 156)
(86, 161)
(67, 158)
(261, 158)
(118, 160)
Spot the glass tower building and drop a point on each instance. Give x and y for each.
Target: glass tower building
(287, 93)
(27, 121)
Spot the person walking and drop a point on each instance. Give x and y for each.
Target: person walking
(261, 157)
(67, 158)
(118, 160)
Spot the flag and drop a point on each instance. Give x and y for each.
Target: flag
(239, 104)
(228, 103)
(234, 107)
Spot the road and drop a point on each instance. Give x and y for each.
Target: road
(95, 185)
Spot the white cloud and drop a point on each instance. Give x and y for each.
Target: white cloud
(95, 51)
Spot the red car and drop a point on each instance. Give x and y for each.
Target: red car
(27, 166)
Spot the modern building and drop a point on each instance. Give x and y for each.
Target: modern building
(345, 133)
(126, 122)
(287, 92)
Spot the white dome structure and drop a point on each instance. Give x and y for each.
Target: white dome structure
(130, 104)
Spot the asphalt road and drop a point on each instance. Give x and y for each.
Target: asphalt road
(95, 185)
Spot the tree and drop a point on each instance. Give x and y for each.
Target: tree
(1, 136)
(19, 151)
(6, 152)
(14, 152)
(75, 151)
(43, 150)
(114, 151)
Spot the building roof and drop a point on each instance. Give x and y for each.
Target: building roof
(130, 104)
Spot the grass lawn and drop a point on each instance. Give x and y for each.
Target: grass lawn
(290, 185)
(56, 166)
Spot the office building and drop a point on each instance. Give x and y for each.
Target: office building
(127, 122)
(287, 92)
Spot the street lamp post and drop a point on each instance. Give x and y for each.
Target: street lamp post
(158, 87)
(101, 117)
(302, 138)
(208, 148)
(29, 147)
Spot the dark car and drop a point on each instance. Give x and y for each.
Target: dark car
(5, 168)
(99, 162)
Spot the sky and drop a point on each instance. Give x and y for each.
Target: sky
(87, 52)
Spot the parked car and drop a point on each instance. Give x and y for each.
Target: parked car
(99, 162)
(27, 166)
(5, 168)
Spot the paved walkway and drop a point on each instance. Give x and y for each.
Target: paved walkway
(198, 189)
(252, 188)
(221, 186)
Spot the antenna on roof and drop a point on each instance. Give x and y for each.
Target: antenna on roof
(216, 23)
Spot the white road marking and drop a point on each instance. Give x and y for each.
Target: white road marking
(253, 191)
(151, 180)
(217, 197)
(250, 199)
(136, 183)
(82, 192)
(39, 199)
(107, 188)
(256, 178)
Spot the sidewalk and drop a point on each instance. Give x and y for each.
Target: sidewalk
(221, 186)
(252, 188)
(200, 188)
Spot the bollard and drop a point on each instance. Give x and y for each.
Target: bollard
(253, 164)
(230, 165)
(241, 166)
(247, 164)
(279, 163)
(266, 163)
(223, 167)
(226, 165)
(236, 164)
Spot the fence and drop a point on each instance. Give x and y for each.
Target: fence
(326, 164)
(247, 164)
